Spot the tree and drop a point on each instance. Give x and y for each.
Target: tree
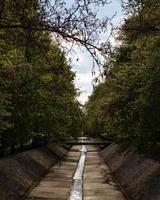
(76, 23)
(128, 102)
(36, 84)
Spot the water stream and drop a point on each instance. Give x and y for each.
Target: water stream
(77, 187)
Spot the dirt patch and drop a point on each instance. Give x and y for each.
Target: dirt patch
(138, 176)
(19, 172)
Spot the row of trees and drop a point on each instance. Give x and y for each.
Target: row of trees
(37, 92)
(126, 106)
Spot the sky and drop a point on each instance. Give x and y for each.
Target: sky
(83, 66)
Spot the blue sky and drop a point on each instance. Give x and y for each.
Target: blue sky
(83, 66)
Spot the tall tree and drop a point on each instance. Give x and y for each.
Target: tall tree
(36, 82)
(130, 96)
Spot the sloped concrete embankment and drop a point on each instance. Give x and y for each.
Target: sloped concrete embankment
(19, 172)
(139, 177)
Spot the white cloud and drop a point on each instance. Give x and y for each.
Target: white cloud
(83, 98)
(82, 64)
(83, 82)
(82, 61)
(84, 77)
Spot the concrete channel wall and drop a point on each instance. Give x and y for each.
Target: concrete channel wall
(19, 172)
(139, 177)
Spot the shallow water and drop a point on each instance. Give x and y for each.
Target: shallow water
(77, 187)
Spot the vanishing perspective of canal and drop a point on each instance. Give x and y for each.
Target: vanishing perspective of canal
(80, 175)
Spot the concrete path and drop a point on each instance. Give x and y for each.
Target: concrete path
(97, 181)
(56, 185)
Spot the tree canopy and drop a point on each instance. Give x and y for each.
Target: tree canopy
(126, 106)
(74, 21)
(38, 95)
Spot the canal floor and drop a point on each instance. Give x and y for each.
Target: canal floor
(97, 180)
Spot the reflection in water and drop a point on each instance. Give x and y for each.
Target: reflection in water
(76, 192)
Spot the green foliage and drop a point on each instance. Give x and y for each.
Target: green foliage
(38, 96)
(127, 104)
(94, 118)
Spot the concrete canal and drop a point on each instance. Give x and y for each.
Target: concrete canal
(82, 174)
